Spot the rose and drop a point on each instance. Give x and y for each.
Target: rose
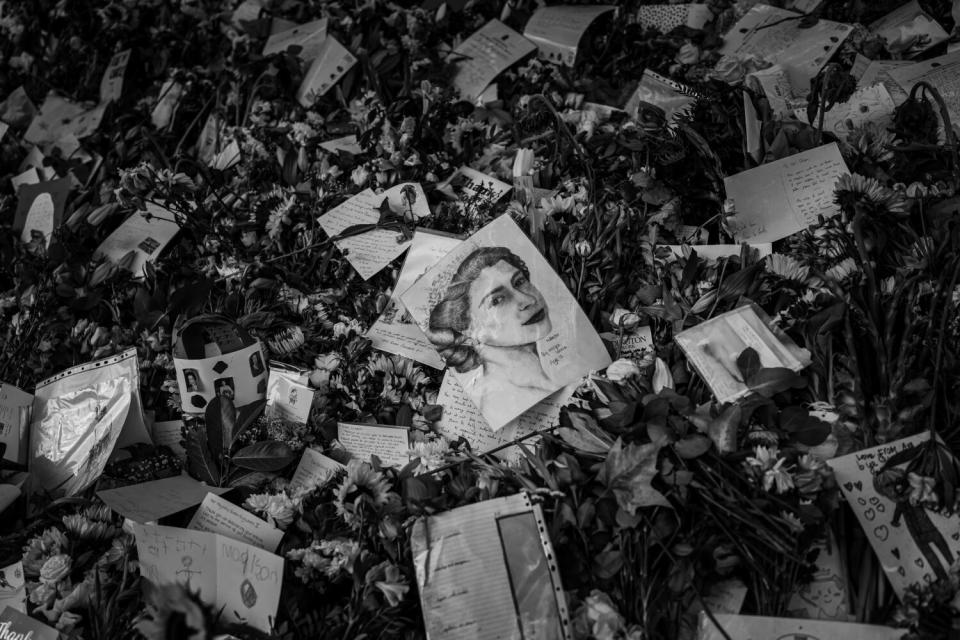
(55, 569)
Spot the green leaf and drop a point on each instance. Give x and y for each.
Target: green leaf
(692, 447)
(628, 473)
(200, 464)
(268, 455)
(246, 417)
(748, 363)
(771, 381)
(580, 430)
(806, 429)
(607, 564)
(723, 429)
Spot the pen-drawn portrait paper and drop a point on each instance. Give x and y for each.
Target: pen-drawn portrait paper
(504, 322)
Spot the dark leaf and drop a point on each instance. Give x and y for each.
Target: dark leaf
(200, 464)
(692, 446)
(246, 417)
(268, 455)
(771, 381)
(748, 363)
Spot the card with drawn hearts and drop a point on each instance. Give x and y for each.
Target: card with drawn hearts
(913, 543)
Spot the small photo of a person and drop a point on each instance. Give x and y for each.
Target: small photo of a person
(256, 364)
(224, 387)
(192, 379)
(487, 324)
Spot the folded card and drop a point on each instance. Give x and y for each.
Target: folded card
(288, 399)
(557, 30)
(314, 469)
(217, 515)
(148, 502)
(505, 322)
(485, 55)
(784, 197)
(488, 571)
(13, 588)
(237, 577)
(16, 625)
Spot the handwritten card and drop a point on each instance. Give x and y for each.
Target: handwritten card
(40, 209)
(557, 30)
(826, 597)
(111, 85)
(462, 419)
(775, 85)
(913, 543)
(372, 251)
(288, 399)
(314, 469)
(767, 33)
(309, 37)
(878, 72)
(141, 236)
(485, 569)
(867, 104)
(667, 17)
(390, 444)
(59, 117)
(17, 625)
(784, 197)
(762, 628)
(15, 407)
(149, 501)
(395, 331)
(909, 29)
(217, 515)
(169, 433)
(13, 588)
(241, 578)
(331, 63)
(942, 72)
(467, 183)
(713, 347)
(485, 55)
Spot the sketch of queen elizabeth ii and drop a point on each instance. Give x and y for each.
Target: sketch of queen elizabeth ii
(487, 325)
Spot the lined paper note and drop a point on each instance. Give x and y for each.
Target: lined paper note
(314, 469)
(390, 444)
(784, 197)
(557, 30)
(217, 515)
(485, 55)
(943, 73)
(150, 501)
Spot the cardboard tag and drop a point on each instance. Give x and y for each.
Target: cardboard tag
(557, 30)
(485, 55)
(332, 62)
(40, 209)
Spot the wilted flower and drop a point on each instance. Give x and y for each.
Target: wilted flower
(329, 558)
(598, 618)
(623, 369)
(386, 577)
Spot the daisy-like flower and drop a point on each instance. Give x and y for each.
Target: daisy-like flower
(361, 485)
(921, 490)
(787, 267)
(843, 270)
(275, 507)
(85, 528)
(772, 467)
(430, 452)
(856, 192)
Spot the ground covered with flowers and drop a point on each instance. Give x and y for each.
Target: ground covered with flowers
(653, 492)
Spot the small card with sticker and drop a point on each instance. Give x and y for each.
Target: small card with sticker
(332, 63)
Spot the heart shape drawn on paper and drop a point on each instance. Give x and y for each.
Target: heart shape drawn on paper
(896, 552)
(848, 486)
(862, 502)
(955, 536)
(882, 533)
(870, 514)
(902, 572)
(919, 562)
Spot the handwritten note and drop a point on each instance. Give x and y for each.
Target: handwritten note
(13, 588)
(309, 37)
(111, 85)
(483, 568)
(395, 331)
(168, 433)
(762, 628)
(878, 72)
(913, 543)
(777, 36)
(241, 578)
(143, 237)
(217, 515)
(557, 30)
(288, 399)
(59, 117)
(867, 104)
(462, 419)
(909, 28)
(826, 597)
(784, 197)
(331, 63)
(150, 501)
(314, 469)
(942, 72)
(372, 251)
(15, 406)
(390, 444)
(485, 55)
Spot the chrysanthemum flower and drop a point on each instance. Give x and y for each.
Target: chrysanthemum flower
(855, 192)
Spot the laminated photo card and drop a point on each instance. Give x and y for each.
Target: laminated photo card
(487, 571)
(504, 322)
(763, 628)
(714, 346)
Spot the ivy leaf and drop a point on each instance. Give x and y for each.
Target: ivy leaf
(628, 473)
(267, 455)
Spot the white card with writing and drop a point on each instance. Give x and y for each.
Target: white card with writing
(111, 85)
(150, 501)
(59, 117)
(169, 433)
(145, 237)
(878, 72)
(241, 578)
(485, 55)
(632, 344)
(467, 183)
(667, 17)
(217, 515)
(15, 407)
(395, 331)
(557, 30)
(309, 37)
(13, 588)
(767, 33)
(288, 399)
(762, 628)
(912, 543)
(784, 197)
(390, 444)
(462, 419)
(200, 380)
(909, 23)
(826, 597)
(942, 72)
(314, 469)
(372, 251)
(330, 64)
(867, 104)
(485, 569)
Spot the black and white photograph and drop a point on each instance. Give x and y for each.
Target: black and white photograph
(224, 387)
(192, 379)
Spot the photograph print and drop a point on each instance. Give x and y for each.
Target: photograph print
(504, 322)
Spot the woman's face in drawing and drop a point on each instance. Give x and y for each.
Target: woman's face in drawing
(506, 310)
